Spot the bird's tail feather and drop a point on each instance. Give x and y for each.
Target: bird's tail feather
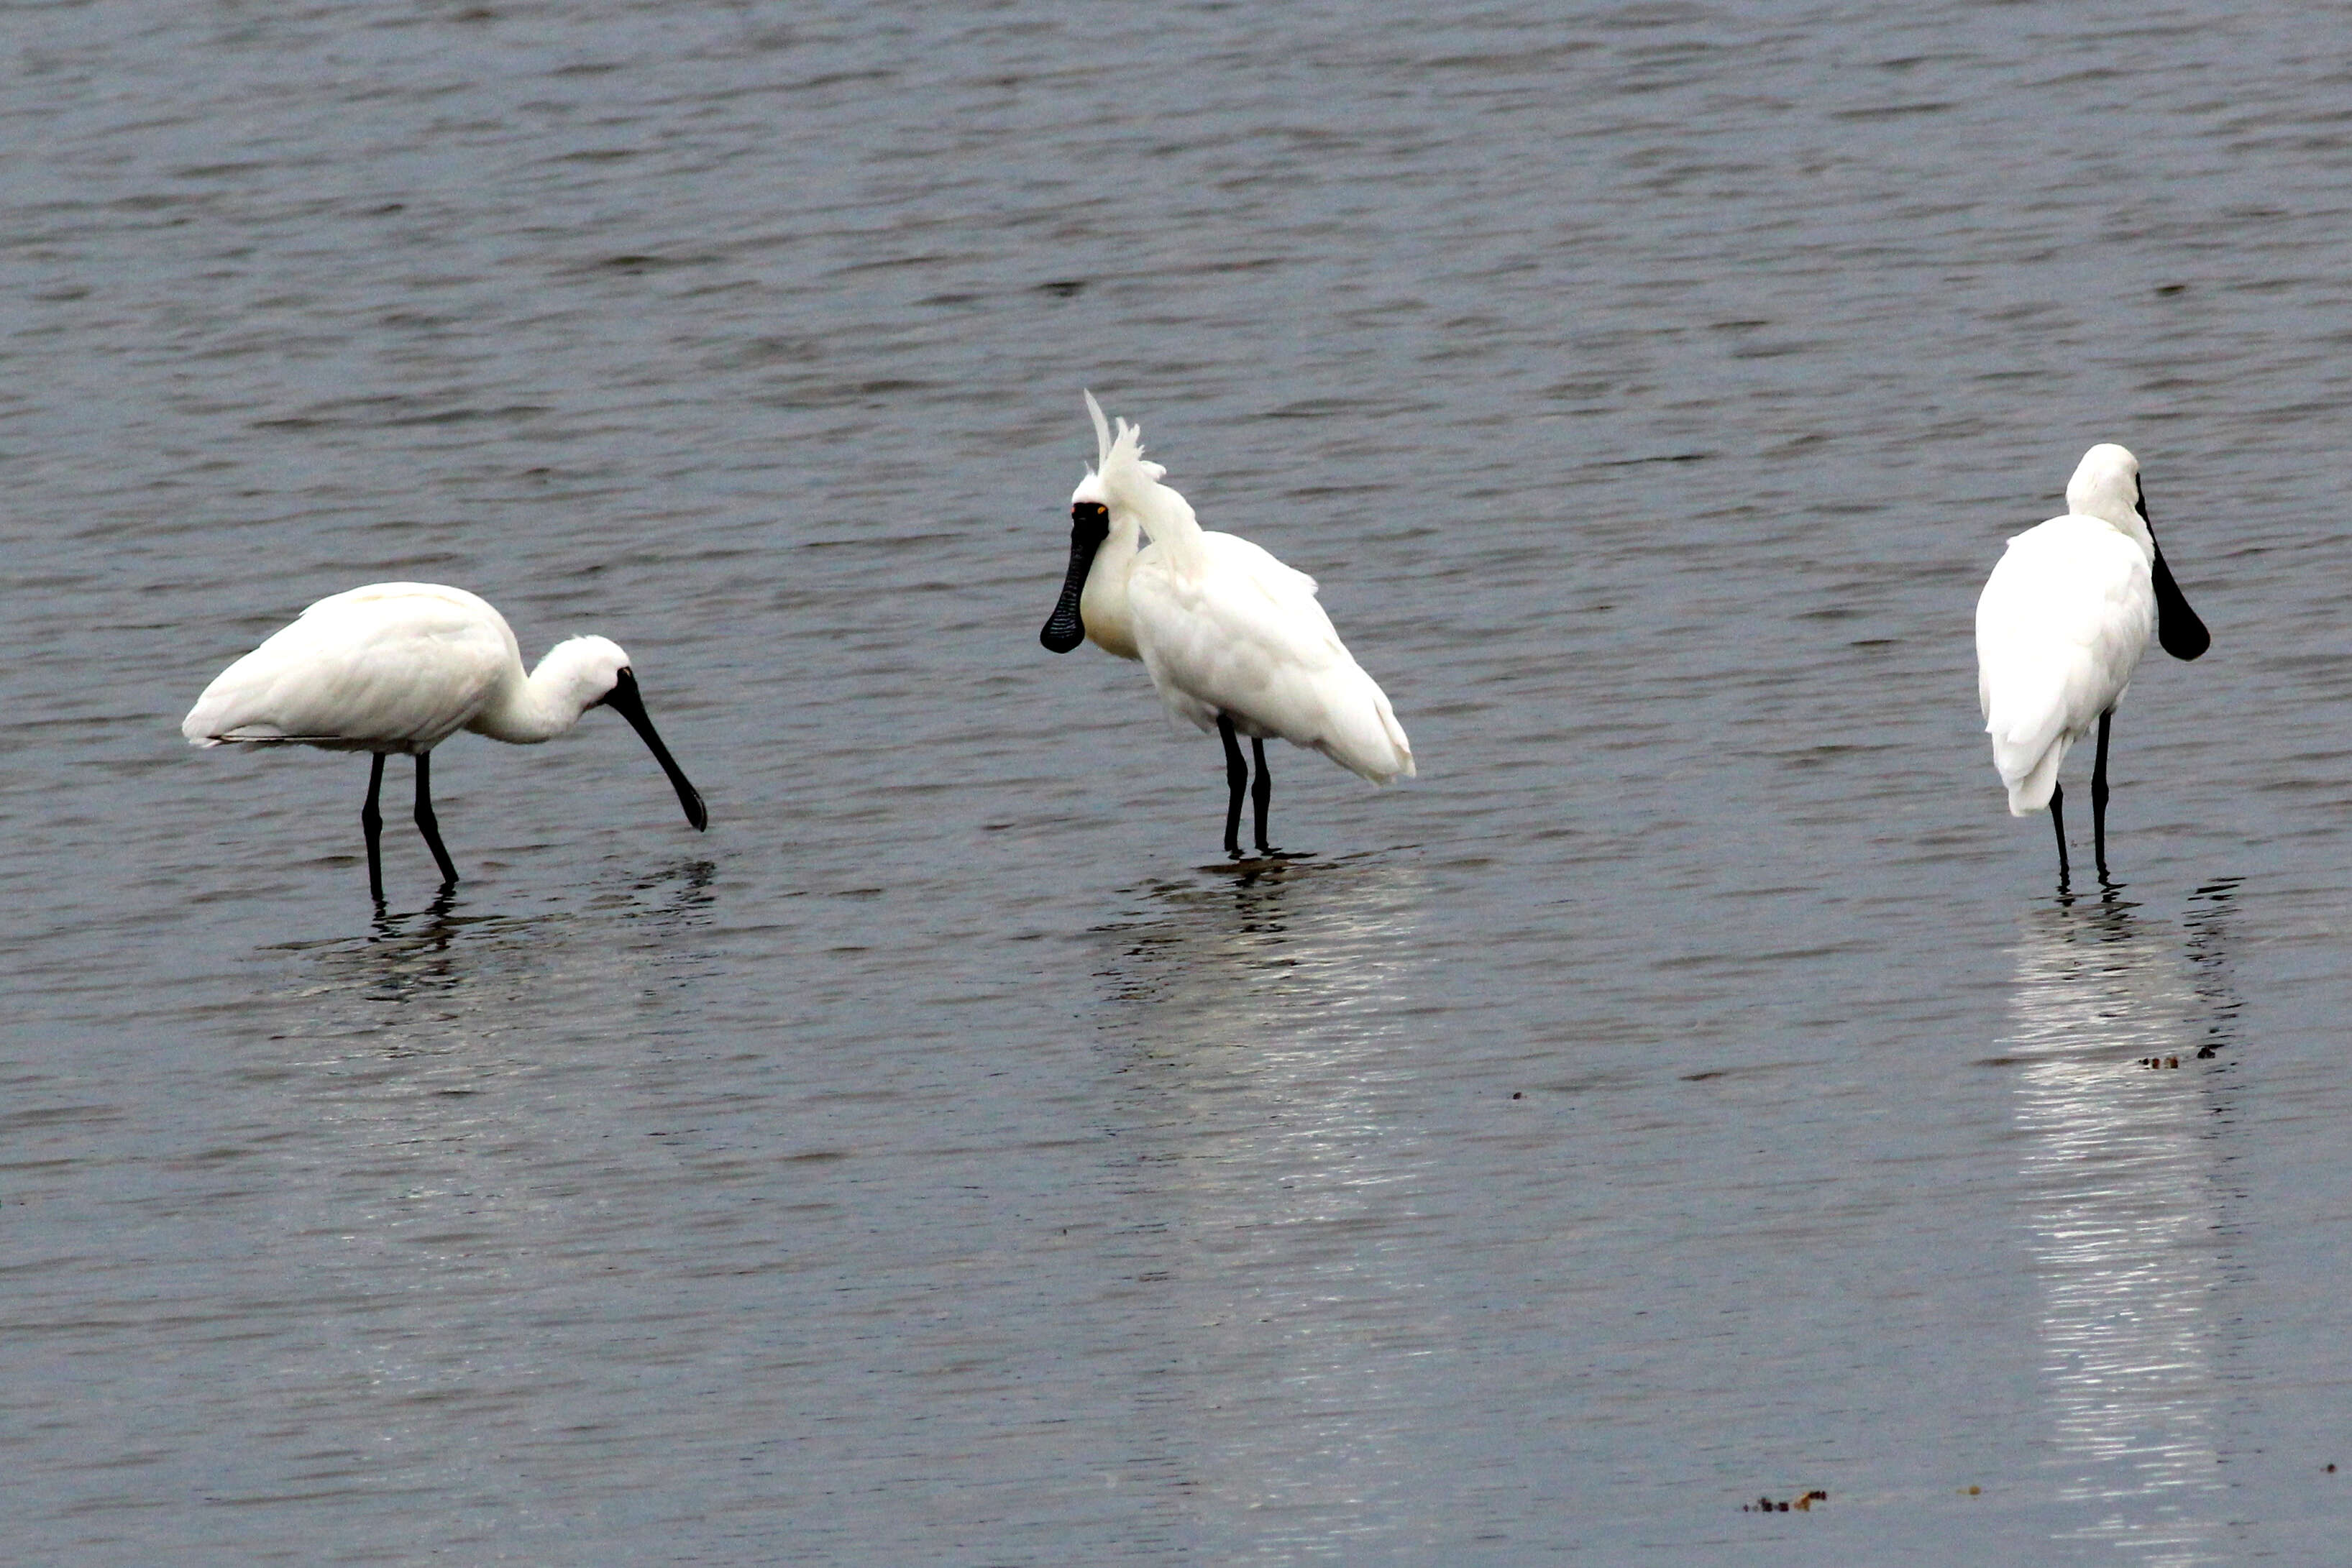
(2027, 755)
(2026, 718)
(2030, 791)
(1363, 736)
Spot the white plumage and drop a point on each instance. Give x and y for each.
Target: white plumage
(392, 667)
(399, 667)
(1238, 634)
(1230, 635)
(2060, 630)
(2061, 627)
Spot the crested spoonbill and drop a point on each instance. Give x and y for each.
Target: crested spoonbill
(1234, 640)
(2060, 629)
(401, 667)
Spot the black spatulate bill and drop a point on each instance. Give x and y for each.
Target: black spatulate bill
(2178, 628)
(624, 700)
(1089, 526)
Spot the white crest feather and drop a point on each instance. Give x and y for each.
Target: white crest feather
(1130, 482)
(1102, 431)
(1124, 466)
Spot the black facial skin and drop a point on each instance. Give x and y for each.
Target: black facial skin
(1089, 526)
(623, 699)
(2177, 629)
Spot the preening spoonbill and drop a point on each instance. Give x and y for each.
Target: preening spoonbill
(401, 667)
(1234, 640)
(2060, 629)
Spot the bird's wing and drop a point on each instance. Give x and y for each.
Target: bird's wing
(457, 599)
(1223, 630)
(1280, 599)
(398, 670)
(1245, 636)
(2061, 627)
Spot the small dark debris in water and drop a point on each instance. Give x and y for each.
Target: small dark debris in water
(1972, 1492)
(1521, 1095)
(2171, 287)
(2156, 1062)
(392, 207)
(1662, 457)
(1062, 287)
(2331, 1470)
(1802, 1505)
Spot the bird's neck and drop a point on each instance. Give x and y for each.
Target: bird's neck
(2114, 498)
(1167, 517)
(2131, 527)
(1103, 602)
(525, 710)
(1140, 501)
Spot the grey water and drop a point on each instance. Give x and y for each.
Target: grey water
(1692, 1089)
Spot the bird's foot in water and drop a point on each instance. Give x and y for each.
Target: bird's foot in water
(1242, 863)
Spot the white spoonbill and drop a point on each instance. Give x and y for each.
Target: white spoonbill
(1234, 640)
(2060, 629)
(401, 667)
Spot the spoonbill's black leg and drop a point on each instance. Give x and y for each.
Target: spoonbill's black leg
(427, 824)
(2058, 820)
(372, 824)
(2099, 798)
(1262, 792)
(1237, 781)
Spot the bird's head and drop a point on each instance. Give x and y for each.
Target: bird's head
(1089, 526)
(2105, 486)
(595, 672)
(582, 673)
(1089, 513)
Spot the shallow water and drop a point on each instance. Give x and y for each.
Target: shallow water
(1689, 1089)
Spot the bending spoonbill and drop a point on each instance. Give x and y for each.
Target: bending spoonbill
(2060, 629)
(401, 667)
(1233, 639)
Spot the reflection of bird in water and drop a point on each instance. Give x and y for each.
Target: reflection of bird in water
(439, 952)
(1269, 1148)
(484, 1090)
(1269, 949)
(2208, 960)
(410, 957)
(2122, 1175)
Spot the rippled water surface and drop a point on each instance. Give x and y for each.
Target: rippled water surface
(1689, 1090)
